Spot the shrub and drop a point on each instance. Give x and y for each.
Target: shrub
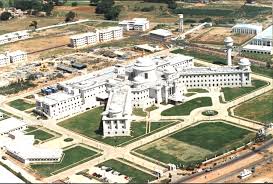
(74, 4)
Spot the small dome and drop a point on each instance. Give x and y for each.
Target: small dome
(228, 39)
(169, 70)
(244, 62)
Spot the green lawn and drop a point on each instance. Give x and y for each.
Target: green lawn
(232, 93)
(139, 112)
(21, 105)
(258, 109)
(136, 175)
(30, 129)
(260, 57)
(187, 107)
(198, 90)
(72, 157)
(160, 124)
(152, 108)
(195, 144)
(262, 70)
(41, 135)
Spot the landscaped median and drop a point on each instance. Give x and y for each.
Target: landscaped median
(41, 134)
(21, 104)
(195, 144)
(233, 93)
(73, 156)
(186, 108)
(89, 125)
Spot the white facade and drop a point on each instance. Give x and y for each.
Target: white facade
(91, 38)
(140, 85)
(82, 40)
(136, 24)
(261, 44)
(8, 177)
(247, 29)
(13, 37)
(4, 59)
(17, 56)
(10, 125)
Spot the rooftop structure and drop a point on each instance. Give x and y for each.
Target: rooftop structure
(11, 124)
(160, 35)
(147, 81)
(8, 177)
(247, 29)
(137, 24)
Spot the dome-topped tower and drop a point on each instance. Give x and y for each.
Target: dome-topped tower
(144, 69)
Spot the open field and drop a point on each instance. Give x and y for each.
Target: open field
(197, 143)
(259, 57)
(40, 134)
(258, 109)
(232, 93)
(21, 104)
(72, 157)
(136, 175)
(187, 107)
(216, 35)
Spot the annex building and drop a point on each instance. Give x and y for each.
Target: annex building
(13, 57)
(148, 81)
(136, 24)
(247, 29)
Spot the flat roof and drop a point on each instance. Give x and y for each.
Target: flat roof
(266, 34)
(8, 177)
(82, 35)
(9, 124)
(161, 32)
(16, 53)
(249, 26)
(55, 98)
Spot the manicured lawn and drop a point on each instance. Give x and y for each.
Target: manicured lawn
(212, 136)
(232, 93)
(21, 105)
(136, 175)
(258, 109)
(139, 112)
(72, 156)
(187, 107)
(89, 124)
(159, 124)
(152, 108)
(195, 144)
(30, 128)
(41, 135)
(262, 70)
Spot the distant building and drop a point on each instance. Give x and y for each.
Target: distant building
(17, 56)
(4, 59)
(11, 124)
(92, 38)
(261, 44)
(13, 37)
(247, 29)
(137, 24)
(160, 35)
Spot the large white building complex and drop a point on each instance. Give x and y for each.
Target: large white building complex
(261, 43)
(13, 57)
(148, 81)
(247, 29)
(136, 24)
(91, 38)
(13, 37)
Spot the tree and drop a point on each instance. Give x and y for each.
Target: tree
(74, 4)
(171, 4)
(70, 16)
(34, 24)
(1, 4)
(59, 2)
(48, 7)
(5, 16)
(104, 5)
(112, 13)
(94, 2)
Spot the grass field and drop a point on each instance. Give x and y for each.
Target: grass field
(232, 93)
(159, 124)
(41, 134)
(187, 107)
(72, 157)
(198, 90)
(258, 109)
(136, 175)
(139, 112)
(30, 129)
(21, 105)
(262, 70)
(197, 143)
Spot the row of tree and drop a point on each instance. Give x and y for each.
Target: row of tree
(107, 7)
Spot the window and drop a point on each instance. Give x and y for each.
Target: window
(146, 75)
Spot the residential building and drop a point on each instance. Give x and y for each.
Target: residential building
(136, 24)
(82, 40)
(111, 33)
(247, 29)
(17, 56)
(13, 37)
(4, 59)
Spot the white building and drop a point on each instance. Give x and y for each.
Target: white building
(137, 24)
(146, 82)
(11, 124)
(83, 39)
(261, 43)
(8, 177)
(160, 35)
(247, 29)
(17, 56)
(111, 33)
(4, 59)
(91, 38)
(13, 37)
